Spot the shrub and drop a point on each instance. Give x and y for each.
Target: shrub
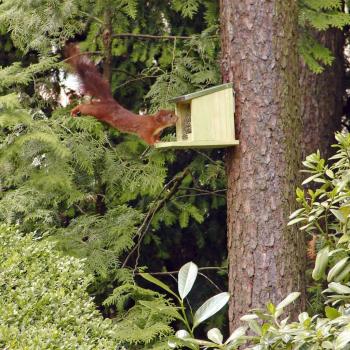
(43, 299)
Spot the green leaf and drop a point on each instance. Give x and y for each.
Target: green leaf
(311, 178)
(157, 282)
(330, 173)
(331, 312)
(254, 326)
(296, 220)
(336, 269)
(339, 215)
(342, 340)
(288, 300)
(271, 308)
(321, 263)
(339, 288)
(205, 343)
(186, 278)
(239, 332)
(343, 274)
(210, 307)
(215, 335)
(296, 213)
(344, 239)
(249, 317)
(182, 334)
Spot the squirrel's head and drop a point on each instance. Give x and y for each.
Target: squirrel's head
(165, 117)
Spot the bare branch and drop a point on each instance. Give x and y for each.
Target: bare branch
(164, 273)
(149, 36)
(157, 205)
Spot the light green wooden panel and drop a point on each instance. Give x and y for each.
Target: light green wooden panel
(201, 93)
(212, 116)
(196, 144)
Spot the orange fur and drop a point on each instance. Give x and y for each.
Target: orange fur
(109, 110)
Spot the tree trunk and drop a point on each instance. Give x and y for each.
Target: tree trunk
(259, 55)
(322, 98)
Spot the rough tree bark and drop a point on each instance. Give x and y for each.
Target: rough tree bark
(259, 55)
(322, 98)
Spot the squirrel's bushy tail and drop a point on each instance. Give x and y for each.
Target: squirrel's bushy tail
(92, 81)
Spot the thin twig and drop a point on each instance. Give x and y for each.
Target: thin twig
(136, 79)
(82, 54)
(202, 190)
(172, 273)
(81, 210)
(200, 195)
(211, 281)
(164, 273)
(89, 15)
(153, 210)
(206, 156)
(149, 36)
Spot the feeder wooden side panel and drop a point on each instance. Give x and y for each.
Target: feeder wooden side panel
(202, 117)
(212, 116)
(226, 108)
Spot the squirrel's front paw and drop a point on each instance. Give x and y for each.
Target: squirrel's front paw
(75, 112)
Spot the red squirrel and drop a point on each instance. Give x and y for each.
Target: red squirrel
(106, 108)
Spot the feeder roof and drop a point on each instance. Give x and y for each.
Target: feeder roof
(204, 92)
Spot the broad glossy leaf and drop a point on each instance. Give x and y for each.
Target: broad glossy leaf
(295, 221)
(249, 317)
(321, 263)
(330, 173)
(215, 335)
(339, 215)
(205, 343)
(210, 307)
(182, 334)
(239, 332)
(342, 340)
(254, 326)
(339, 288)
(344, 239)
(186, 278)
(311, 178)
(303, 317)
(157, 282)
(337, 269)
(296, 213)
(290, 298)
(331, 312)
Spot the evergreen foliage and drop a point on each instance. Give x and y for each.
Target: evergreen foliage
(69, 178)
(65, 178)
(44, 303)
(193, 67)
(17, 75)
(314, 16)
(97, 191)
(46, 22)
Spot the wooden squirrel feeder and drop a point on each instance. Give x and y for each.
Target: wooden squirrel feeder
(206, 119)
